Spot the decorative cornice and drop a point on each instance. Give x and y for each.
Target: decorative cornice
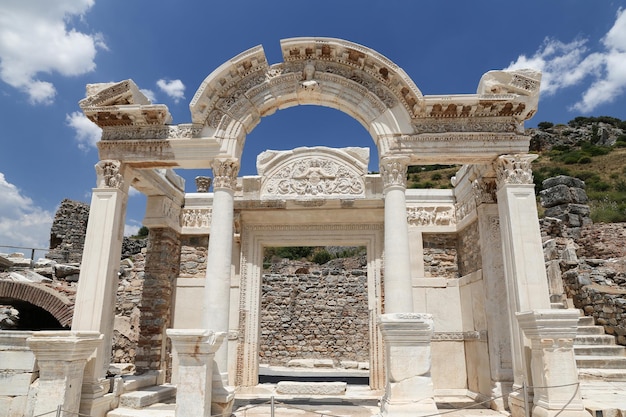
(514, 169)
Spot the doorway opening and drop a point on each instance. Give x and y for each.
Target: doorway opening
(314, 321)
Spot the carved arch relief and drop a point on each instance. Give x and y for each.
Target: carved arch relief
(310, 173)
(319, 71)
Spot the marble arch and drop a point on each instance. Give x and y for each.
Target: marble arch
(483, 322)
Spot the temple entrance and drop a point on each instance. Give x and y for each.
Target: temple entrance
(255, 349)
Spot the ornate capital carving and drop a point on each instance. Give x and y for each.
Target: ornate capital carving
(203, 184)
(514, 169)
(109, 174)
(225, 173)
(393, 172)
(484, 190)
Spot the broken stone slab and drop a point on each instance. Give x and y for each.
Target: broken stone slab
(311, 363)
(65, 270)
(311, 388)
(28, 276)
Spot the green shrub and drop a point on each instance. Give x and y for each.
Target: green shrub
(584, 160)
(436, 176)
(321, 257)
(545, 125)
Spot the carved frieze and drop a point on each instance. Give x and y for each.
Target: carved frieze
(196, 218)
(393, 171)
(431, 216)
(466, 125)
(514, 169)
(464, 208)
(225, 173)
(109, 174)
(186, 131)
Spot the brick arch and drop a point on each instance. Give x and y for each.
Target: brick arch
(46, 298)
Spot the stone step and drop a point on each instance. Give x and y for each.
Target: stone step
(594, 374)
(599, 350)
(601, 362)
(590, 330)
(147, 396)
(311, 388)
(586, 321)
(145, 412)
(136, 382)
(594, 339)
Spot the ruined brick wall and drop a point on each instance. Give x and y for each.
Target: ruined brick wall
(129, 293)
(193, 254)
(319, 315)
(67, 235)
(470, 259)
(440, 256)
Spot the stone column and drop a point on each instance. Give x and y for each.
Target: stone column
(555, 377)
(95, 299)
(409, 388)
(524, 268)
(195, 350)
(397, 266)
(217, 286)
(496, 303)
(61, 357)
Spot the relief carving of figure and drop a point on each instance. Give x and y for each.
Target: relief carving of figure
(308, 83)
(108, 174)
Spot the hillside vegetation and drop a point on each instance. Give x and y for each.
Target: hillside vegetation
(590, 148)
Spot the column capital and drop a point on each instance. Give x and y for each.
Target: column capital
(109, 174)
(393, 171)
(203, 184)
(514, 169)
(484, 190)
(225, 173)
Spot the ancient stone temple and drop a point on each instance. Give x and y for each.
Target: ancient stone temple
(488, 331)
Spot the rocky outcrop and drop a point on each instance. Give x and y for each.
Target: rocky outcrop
(598, 133)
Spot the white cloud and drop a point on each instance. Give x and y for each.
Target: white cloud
(149, 93)
(22, 223)
(35, 38)
(87, 132)
(569, 64)
(173, 88)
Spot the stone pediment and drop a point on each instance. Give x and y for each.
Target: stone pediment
(313, 173)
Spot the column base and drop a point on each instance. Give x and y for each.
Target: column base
(222, 398)
(409, 389)
(517, 407)
(426, 407)
(95, 400)
(543, 412)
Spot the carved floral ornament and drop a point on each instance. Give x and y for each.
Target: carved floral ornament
(225, 173)
(109, 175)
(484, 190)
(514, 169)
(393, 171)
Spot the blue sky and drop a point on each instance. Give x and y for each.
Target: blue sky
(49, 51)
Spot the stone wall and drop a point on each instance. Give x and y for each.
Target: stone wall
(440, 256)
(322, 314)
(67, 235)
(470, 258)
(193, 254)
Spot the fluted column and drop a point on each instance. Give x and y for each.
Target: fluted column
(397, 266)
(97, 284)
(217, 286)
(524, 269)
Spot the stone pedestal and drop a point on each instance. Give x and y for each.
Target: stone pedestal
(195, 350)
(554, 373)
(61, 356)
(409, 387)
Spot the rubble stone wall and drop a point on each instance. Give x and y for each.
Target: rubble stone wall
(320, 315)
(470, 258)
(440, 256)
(67, 235)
